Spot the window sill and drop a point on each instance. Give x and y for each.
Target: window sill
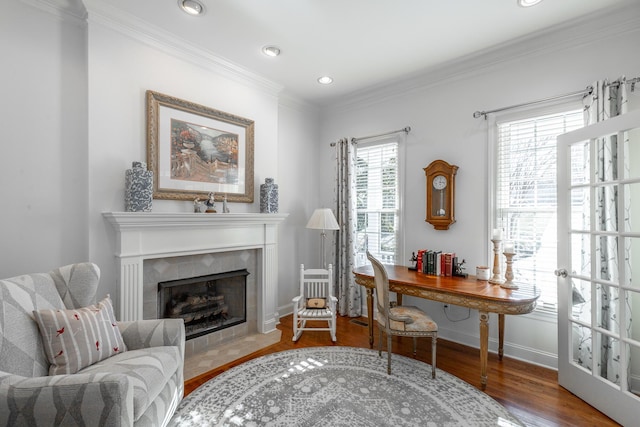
(544, 315)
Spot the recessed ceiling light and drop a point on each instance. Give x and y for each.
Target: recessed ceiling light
(192, 7)
(528, 3)
(325, 80)
(271, 50)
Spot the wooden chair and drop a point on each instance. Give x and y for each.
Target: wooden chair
(406, 321)
(315, 302)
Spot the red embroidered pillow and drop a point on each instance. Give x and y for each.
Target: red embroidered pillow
(75, 339)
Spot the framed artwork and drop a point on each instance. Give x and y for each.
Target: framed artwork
(195, 150)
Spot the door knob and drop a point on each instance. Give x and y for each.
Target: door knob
(561, 272)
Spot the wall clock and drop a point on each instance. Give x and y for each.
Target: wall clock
(441, 190)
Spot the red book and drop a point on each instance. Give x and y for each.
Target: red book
(419, 264)
(448, 263)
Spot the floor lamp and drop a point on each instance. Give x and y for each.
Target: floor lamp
(323, 219)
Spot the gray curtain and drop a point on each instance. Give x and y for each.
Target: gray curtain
(348, 292)
(606, 101)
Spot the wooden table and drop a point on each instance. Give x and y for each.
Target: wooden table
(466, 292)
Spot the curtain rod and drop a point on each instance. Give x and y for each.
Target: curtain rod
(587, 91)
(406, 129)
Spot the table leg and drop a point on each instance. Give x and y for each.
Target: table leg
(370, 315)
(484, 348)
(501, 335)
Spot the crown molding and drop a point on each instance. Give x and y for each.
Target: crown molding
(613, 22)
(101, 13)
(72, 11)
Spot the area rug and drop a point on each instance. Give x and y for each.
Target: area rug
(338, 386)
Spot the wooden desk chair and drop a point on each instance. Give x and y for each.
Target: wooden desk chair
(406, 321)
(315, 302)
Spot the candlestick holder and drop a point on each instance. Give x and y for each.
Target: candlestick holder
(508, 275)
(496, 279)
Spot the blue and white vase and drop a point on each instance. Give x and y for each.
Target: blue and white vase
(268, 196)
(138, 188)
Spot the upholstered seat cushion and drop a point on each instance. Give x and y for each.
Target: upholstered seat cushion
(420, 321)
(148, 369)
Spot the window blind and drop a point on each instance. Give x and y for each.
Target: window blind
(377, 201)
(526, 199)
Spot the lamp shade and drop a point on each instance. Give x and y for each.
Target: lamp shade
(323, 219)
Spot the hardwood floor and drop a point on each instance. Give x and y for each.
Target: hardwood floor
(528, 391)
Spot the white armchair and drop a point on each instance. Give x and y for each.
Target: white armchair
(138, 387)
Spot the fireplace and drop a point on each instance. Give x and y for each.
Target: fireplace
(205, 303)
(158, 236)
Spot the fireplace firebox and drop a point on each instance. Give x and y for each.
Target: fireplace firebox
(205, 303)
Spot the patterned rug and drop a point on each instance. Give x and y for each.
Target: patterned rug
(338, 386)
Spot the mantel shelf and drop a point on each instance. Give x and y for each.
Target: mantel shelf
(133, 220)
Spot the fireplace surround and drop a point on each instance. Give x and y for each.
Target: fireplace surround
(152, 237)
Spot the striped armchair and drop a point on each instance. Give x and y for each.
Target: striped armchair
(141, 386)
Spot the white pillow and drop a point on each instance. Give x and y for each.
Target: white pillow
(75, 339)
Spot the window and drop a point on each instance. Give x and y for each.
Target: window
(525, 196)
(378, 204)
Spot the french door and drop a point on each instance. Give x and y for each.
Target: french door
(599, 265)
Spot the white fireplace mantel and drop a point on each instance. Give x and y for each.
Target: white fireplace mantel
(150, 235)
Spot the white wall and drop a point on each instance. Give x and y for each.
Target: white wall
(43, 165)
(439, 109)
(298, 177)
(73, 112)
(121, 69)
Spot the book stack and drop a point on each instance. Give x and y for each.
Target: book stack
(436, 263)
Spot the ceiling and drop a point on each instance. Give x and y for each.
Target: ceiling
(361, 44)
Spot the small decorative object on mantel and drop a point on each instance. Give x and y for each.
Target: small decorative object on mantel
(225, 205)
(211, 204)
(138, 193)
(268, 196)
(199, 206)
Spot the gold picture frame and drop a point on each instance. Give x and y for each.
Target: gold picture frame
(195, 150)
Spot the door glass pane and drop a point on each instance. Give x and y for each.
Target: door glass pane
(632, 196)
(632, 248)
(608, 303)
(634, 367)
(633, 153)
(582, 351)
(580, 212)
(606, 162)
(609, 363)
(606, 258)
(581, 254)
(606, 217)
(580, 163)
(633, 300)
(581, 300)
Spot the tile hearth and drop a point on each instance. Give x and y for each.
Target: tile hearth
(198, 363)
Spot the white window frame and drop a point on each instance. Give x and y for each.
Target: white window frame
(400, 140)
(541, 312)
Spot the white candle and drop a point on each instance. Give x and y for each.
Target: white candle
(509, 248)
(497, 234)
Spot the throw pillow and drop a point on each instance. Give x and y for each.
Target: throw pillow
(75, 339)
(316, 303)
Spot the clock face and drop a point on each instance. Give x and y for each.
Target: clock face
(439, 182)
